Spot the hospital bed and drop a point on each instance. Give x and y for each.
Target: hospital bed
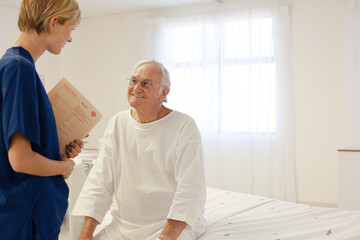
(232, 215)
(236, 216)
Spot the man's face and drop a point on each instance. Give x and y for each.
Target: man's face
(143, 89)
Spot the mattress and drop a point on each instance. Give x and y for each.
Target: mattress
(232, 215)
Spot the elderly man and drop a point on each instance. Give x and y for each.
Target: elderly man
(149, 173)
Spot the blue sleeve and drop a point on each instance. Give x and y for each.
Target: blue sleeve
(20, 103)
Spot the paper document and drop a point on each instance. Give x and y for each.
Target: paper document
(75, 116)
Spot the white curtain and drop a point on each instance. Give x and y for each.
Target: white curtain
(232, 72)
(353, 73)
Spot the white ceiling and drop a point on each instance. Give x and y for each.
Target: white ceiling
(92, 8)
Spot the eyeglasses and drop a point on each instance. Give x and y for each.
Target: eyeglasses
(147, 84)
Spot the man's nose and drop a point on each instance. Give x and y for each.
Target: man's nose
(138, 86)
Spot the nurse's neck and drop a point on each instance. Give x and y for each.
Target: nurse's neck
(32, 42)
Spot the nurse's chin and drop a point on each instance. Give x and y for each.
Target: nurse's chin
(55, 52)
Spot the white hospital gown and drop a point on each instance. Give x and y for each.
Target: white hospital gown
(146, 173)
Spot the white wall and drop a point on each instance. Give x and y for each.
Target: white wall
(319, 30)
(47, 65)
(8, 27)
(93, 63)
(105, 49)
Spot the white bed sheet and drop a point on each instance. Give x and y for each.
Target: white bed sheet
(237, 216)
(232, 215)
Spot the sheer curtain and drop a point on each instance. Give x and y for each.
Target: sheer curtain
(354, 72)
(232, 72)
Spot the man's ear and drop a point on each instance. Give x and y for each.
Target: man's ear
(53, 20)
(165, 91)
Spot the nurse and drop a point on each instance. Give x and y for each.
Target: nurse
(33, 192)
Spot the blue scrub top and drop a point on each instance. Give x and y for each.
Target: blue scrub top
(31, 207)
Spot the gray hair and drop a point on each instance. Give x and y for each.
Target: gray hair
(165, 79)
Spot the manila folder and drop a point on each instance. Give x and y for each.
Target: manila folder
(75, 116)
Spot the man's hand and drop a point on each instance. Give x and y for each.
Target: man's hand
(172, 230)
(73, 148)
(85, 237)
(88, 228)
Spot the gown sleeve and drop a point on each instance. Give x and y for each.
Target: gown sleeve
(189, 199)
(96, 195)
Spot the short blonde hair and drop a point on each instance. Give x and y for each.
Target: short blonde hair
(36, 14)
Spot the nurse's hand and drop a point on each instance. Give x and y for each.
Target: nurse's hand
(68, 166)
(73, 148)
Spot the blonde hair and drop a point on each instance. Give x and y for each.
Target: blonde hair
(36, 14)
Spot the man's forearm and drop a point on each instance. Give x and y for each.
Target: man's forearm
(88, 228)
(172, 229)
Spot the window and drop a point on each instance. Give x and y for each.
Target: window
(226, 69)
(233, 73)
